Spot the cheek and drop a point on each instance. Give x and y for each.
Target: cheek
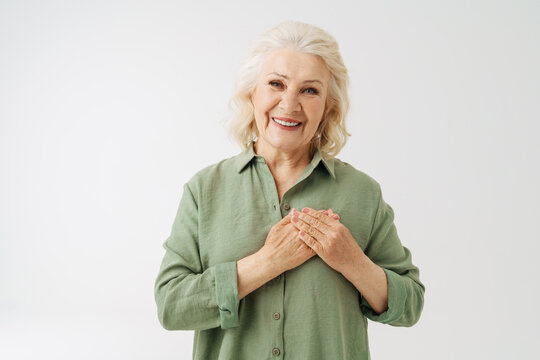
(315, 109)
(264, 102)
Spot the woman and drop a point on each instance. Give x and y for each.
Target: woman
(258, 279)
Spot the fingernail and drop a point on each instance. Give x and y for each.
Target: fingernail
(295, 219)
(335, 217)
(305, 210)
(325, 212)
(293, 211)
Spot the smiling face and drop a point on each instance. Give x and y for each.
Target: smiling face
(289, 100)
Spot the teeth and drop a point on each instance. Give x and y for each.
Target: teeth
(285, 123)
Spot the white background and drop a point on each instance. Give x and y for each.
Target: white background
(108, 107)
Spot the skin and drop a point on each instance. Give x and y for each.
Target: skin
(284, 89)
(333, 242)
(294, 85)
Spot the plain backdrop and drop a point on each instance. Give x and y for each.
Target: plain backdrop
(108, 107)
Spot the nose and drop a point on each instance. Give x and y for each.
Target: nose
(289, 102)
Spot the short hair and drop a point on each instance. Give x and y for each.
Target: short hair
(331, 134)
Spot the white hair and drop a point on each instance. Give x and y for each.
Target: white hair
(331, 135)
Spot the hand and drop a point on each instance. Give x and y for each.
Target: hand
(284, 248)
(332, 241)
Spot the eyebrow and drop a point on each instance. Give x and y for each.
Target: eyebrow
(287, 78)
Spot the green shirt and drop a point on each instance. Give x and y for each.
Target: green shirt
(310, 312)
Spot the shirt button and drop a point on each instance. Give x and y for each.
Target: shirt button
(286, 206)
(276, 316)
(276, 352)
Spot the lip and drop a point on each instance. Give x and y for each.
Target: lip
(286, 128)
(286, 119)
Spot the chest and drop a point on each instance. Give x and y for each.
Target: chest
(282, 186)
(235, 215)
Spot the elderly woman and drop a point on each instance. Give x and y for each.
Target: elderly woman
(284, 251)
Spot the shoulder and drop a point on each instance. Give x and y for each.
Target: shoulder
(348, 175)
(212, 176)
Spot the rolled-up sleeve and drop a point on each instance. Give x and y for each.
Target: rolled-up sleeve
(189, 297)
(227, 294)
(405, 290)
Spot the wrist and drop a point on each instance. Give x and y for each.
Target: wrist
(358, 268)
(266, 260)
(253, 271)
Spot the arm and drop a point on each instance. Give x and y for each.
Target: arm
(370, 280)
(187, 297)
(336, 246)
(282, 250)
(389, 287)
(405, 291)
(253, 272)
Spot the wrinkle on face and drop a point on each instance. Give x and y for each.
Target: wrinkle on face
(292, 85)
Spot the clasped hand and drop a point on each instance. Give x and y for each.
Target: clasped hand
(301, 235)
(328, 237)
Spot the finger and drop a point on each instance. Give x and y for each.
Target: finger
(328, 219)
(307, 228)
(286, 219)
(309, 241)
(316, 218)
(330, 215)
(333, 215)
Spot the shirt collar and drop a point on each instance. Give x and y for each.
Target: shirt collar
(247, 155)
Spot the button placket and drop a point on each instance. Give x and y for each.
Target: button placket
(275, 312)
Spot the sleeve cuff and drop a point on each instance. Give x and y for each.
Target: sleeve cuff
(396, 300)
(227, 294)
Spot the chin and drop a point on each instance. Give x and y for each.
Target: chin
(288, 145)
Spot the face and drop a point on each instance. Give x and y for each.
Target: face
(289, 100)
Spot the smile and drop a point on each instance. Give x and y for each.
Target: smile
(286, 123)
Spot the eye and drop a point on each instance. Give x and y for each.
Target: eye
(311, 90)
(274, 83)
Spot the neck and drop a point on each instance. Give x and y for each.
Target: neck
(283, 159)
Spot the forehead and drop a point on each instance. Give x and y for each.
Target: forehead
(295, 65)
